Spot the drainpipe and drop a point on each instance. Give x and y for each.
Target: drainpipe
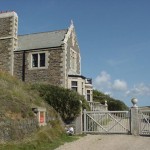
(23, 66)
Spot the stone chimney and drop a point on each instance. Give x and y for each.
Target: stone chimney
(8, 40)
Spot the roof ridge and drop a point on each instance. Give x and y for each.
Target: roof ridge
(44, 32)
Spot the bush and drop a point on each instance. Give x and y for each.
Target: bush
(66, 102)
(113, 104)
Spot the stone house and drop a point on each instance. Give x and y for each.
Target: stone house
(48, 57)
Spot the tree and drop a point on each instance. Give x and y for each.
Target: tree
(113, 104)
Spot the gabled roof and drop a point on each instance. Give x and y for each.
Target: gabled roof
(41, 40)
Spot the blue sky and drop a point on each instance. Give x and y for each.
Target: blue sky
(113, 36)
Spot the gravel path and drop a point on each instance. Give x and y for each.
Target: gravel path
(108, 142)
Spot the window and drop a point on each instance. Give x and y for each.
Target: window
(34, 60)
(73, 60)
(82, 89)
(74, 85)
(42, 60)
(88, 95)
(38, 60)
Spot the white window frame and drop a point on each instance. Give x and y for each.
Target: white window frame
(88, 94)
(74, 86)
(38, 66)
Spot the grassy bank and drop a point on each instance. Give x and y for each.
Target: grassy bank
(16, 102)
(44, 146)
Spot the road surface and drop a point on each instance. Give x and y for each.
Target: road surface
(109, 142)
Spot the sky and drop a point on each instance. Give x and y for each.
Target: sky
(113, 36)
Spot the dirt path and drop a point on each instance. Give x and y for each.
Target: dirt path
(108, 142)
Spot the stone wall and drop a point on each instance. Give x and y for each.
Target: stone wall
(72, 43)
(8, 40)
(5, 44)
(5, 29)
(50, 75)
(14, 130)
(18, 65)
(5, 54)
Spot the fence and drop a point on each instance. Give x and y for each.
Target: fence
(144, 117)
(106, 122)
(136, 121)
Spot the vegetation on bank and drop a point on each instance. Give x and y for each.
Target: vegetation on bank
(17, 100)
(113, 104)
(45, 139)
(65, 101)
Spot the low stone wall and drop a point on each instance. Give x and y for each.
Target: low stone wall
(14, 130)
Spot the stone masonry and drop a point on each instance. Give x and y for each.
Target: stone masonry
(18, 61)
(50, 75)
(47, 57)
(8, 40)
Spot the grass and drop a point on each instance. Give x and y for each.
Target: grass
(38, 145)
(16, 102)
(47, 138)
(60, 141)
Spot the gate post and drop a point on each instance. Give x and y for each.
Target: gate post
(84, 123)
(134, 117)
(79, 122)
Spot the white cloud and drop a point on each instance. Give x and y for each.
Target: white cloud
(102, 80)
(139, 90)
(119, 88)
(119, 85)
(104, 77)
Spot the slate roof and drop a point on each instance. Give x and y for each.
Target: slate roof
(41, 40)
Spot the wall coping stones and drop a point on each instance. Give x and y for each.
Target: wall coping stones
(8, 14)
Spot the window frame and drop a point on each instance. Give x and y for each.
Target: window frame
(39, 63)
(74, 87)
(42, 60)
(88, 95)
(35, 60)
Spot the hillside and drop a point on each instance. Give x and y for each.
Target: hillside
(17, 120)
(113, 104)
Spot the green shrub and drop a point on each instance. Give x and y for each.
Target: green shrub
(113, 104)
(66, 102)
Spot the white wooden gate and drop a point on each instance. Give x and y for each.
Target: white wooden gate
(144, 119)
(106, 122)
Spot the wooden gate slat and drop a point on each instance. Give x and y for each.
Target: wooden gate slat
(144, 119)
